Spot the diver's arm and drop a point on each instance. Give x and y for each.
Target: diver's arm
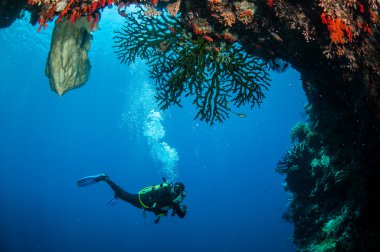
(179, 210)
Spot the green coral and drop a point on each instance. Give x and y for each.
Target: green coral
(183, 64)
(299, 132)
(333, 225)
(322, 161)
(327, 245)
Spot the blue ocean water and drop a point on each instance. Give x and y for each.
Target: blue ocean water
(112, 125)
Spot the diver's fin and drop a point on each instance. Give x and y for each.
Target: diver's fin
(90, 180)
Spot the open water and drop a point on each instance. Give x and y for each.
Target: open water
(112, 125)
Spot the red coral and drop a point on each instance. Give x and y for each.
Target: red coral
(367, 29)
(73, 10)
(208, 38)
(361, 7)
(95, 21)
(270, 3)
(171, 29)
(374, 17)
(229, 37)
(245, 16)
(76, 15)
(195, 29)
(337, 29)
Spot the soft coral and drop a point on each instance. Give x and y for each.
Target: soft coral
(337, 29)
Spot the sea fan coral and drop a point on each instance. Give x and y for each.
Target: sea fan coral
(184, 64)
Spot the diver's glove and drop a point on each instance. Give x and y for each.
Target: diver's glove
(179, 198)
(184, 208)
(181, 211)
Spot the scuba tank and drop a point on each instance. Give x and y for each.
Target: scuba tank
(148, 195)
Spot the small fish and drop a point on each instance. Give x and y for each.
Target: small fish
(122, 13)
(276, 37)
(241, 115)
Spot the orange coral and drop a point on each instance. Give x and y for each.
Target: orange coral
(245, 16)
(200, 27)
(229, 37)
(338, 30)
(173, 8)
(228, 18)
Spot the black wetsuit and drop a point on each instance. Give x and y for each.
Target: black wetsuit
(158, 200)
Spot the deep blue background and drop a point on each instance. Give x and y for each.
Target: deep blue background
(47, 142)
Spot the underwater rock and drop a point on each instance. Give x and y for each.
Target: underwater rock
(68, 65)
(9, 11)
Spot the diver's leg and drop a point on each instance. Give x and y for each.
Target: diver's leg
(133, 199)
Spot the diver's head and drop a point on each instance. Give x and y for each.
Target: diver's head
(177, 189)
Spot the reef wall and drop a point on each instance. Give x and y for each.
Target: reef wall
(332, 170)
(10, 10)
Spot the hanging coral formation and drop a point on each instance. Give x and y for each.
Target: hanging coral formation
(68, 65)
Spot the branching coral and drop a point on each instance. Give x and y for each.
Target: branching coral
(72, 10)
(184, 64)
(75, 9)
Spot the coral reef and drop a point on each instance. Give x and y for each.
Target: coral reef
(332, 201)
(332, 169)
(68, 9)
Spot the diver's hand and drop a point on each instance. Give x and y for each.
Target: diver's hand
(179, 198)
(184, 208)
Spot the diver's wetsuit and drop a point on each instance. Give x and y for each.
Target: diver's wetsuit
(157, 200)
(124, 195)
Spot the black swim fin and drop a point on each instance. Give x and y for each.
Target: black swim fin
(90, 180)
(113, 201)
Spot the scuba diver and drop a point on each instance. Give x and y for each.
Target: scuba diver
(158, 199)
